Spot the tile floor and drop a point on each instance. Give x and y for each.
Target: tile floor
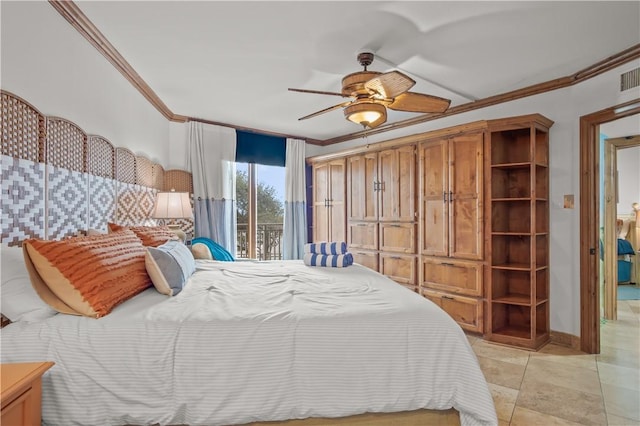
(561, 386)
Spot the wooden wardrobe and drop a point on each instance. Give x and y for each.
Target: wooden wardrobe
(459, 215)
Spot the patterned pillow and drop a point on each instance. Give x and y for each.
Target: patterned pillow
(169, 266)
(151, 236)
(87, 275)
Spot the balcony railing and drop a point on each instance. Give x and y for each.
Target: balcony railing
(268, 241)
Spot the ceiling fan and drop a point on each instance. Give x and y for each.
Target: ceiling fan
(373, 92)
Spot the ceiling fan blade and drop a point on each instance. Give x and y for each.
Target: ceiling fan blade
(419, 102)
(319, 92)
(331, 108)
(389, 85)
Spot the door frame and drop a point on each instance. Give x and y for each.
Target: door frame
(610, 301)
(590, 221)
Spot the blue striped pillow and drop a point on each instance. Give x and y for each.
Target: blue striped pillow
(328, 260)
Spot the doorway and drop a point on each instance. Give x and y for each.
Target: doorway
(590, 220)
(613, 178)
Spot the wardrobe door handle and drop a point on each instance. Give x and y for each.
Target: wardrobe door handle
(447, 297)
(444, 196)
(450, 196)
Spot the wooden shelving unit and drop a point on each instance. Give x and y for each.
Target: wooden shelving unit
(518, 263)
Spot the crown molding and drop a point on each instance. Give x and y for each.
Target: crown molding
(70, 11)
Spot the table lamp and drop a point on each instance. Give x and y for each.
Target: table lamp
(173, 205)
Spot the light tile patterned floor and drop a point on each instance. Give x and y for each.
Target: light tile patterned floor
(561, 386)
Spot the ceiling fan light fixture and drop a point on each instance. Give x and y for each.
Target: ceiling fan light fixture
(373, 92)
(364, 113)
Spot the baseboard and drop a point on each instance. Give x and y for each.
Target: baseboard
(565, 339)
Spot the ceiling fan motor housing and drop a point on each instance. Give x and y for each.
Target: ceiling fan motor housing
(353, 84)
(365, 59)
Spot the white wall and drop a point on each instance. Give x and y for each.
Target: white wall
(45, 61)
(177, 146)
(565, 107)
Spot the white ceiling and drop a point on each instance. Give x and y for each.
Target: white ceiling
(232, 62)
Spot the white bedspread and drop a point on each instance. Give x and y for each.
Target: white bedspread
(249, 341)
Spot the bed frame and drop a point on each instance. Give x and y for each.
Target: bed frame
(404, 418)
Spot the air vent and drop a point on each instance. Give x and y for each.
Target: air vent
(630, 79)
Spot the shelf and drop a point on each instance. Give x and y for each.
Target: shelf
(511, 251)
(518, 267)
(513, 299)
(519, 332)
(512, 199)
(511, 216)
(513, 266)
(511, 319)
(515, 234)
(522, 165)
(511, 182)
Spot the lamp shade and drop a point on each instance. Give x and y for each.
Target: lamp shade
(173, 205)
(368, 114)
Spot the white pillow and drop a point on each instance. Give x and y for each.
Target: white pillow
(18, 300)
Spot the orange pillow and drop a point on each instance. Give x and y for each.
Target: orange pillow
(87, 275)
(151, 236)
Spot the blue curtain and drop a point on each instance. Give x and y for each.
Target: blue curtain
(295, 215)
(260, 149)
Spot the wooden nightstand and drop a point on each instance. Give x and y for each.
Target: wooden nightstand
(22, 392)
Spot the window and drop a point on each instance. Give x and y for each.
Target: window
(260, 210)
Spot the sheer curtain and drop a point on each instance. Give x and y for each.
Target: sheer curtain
(211, 152)
(295, 219)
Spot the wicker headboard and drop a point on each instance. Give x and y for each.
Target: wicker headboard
(57, 181)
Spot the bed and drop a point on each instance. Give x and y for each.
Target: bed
(255, 342)
(264, 342)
